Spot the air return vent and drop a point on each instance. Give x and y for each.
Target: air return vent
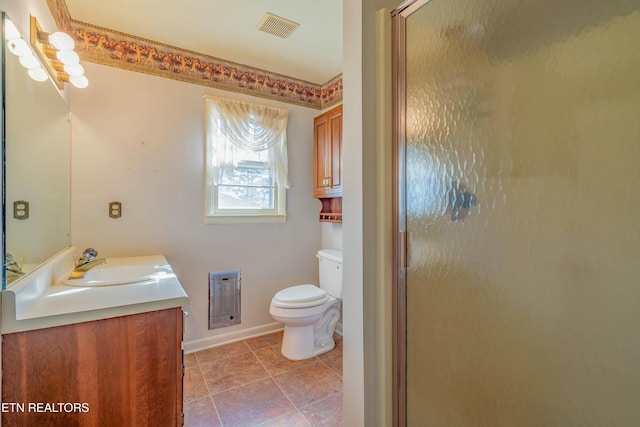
(224, 299)
(277, 25)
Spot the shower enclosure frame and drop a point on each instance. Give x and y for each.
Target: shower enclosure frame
(399, 218)
(400, 241)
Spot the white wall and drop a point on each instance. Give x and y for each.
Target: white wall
(352, 213)
(331, 235)
(138, 139)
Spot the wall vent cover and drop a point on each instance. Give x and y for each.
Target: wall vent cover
(224, 299)
(276, 25)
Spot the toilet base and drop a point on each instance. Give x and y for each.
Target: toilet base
(298, 343)
(304, 342)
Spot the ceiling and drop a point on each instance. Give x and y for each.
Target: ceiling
(227, 30)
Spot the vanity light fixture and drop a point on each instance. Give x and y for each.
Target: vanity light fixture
(61, 41)
(38, 74)
(29, 61)
(20, 48)
(10, 30)
(56, 53)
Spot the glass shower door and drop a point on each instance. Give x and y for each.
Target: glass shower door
(520, 172)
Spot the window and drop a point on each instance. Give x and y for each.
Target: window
(246, 169)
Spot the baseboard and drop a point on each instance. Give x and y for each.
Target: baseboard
(339, 328)
(243, 334)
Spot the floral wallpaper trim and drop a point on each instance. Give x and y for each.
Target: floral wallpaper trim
(109, 47)
(60, 13)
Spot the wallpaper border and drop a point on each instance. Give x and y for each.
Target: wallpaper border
(109, 47)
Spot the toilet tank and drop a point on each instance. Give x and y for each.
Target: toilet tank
(330, 267)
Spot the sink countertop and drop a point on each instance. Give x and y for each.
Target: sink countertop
(40, 300)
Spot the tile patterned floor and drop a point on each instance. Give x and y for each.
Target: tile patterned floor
(250, 383)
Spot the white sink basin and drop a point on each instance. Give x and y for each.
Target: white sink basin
(109, 275)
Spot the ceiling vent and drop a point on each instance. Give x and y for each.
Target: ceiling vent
(277, 25)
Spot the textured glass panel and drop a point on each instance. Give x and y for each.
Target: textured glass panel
(523, 201)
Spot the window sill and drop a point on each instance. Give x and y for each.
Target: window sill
(244, 219)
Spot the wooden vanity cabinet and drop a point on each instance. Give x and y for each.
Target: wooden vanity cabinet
(327, 170)
(122, 371)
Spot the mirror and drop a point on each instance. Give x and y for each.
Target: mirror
(37, 168)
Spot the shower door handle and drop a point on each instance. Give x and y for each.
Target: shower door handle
(403, 248)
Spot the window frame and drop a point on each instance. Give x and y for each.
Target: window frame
(216, 215)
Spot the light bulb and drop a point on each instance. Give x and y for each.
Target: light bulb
(29, 61)
(61, 41)
(19, 47)
(10, 30)
(79, 82)
(68, 57)
(38, 74)
(74, 70)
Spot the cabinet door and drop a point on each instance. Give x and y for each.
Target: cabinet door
(327, 177)
(322, 156)
(123, 371)
(335, 142)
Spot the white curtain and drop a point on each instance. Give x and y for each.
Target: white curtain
(250, 127)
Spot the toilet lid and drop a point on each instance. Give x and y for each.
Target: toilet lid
(306, 295)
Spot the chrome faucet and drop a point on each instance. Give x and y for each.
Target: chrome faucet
(11, 265)
(88, 255)
(87, 261)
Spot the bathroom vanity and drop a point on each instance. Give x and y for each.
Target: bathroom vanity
(105, 351)
(94, 353)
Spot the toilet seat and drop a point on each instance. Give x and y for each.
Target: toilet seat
(300, 296)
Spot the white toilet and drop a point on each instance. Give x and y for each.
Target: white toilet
(310, 313)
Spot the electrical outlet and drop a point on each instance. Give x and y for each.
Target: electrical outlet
(21, 209)
(115, 210)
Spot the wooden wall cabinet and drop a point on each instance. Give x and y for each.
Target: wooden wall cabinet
(122, 371)
(327, 166)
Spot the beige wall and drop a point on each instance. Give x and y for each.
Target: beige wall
(361, 324)
(138, 139)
